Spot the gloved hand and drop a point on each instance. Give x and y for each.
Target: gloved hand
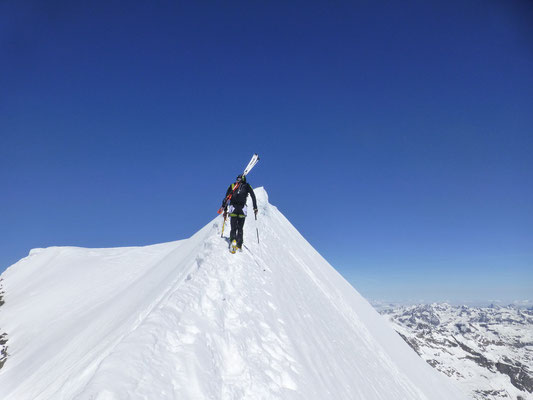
(225, 214)
(255, 211)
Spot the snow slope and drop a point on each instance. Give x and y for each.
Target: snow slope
(189, 320)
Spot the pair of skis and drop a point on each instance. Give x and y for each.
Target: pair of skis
(251, 164)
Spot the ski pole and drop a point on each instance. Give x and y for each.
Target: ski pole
(256, 230)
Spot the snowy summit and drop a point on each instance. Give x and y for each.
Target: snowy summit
(189, 320)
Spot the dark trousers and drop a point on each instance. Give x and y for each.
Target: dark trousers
(237, 225)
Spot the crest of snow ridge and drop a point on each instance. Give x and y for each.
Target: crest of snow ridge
(187, 319)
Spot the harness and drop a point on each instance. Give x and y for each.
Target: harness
(236, 187)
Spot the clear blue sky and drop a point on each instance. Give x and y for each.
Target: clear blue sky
(396, 136)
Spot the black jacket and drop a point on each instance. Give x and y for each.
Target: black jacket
(238, 199)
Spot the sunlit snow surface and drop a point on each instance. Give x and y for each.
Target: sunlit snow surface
(189, 320)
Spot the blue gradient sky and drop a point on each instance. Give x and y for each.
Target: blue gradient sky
(397, 137)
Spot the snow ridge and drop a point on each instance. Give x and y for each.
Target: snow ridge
(189, 320)
(206, 321)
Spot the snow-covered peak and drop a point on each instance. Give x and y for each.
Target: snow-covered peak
(262, 197)
(189, 320)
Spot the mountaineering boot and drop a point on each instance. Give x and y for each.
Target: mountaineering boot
(233, 247)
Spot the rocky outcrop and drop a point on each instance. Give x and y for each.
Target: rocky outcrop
(3, 336)
(518, 374)
(3, 349)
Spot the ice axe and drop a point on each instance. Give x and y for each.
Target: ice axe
(223, 224)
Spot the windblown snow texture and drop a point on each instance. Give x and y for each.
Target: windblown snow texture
(189, 320)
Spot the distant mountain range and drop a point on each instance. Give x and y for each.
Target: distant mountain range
(489, 350)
